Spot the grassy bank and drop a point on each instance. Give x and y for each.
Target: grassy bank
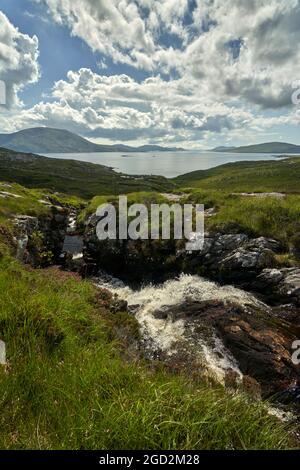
(17, 200)
(141, 197)
(269, 216)
(73, 381)
(222, 188)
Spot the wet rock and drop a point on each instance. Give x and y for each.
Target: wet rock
(229, 242)
(118, 305)
(24, 225)
(251, 387)
(291, 395)
(281, 284)
(232, 379)
(290, 285)
(60, 218)
(263, 243)
(270, 277)
(245, 260)
(233, 258)
(262, 350)
(40, 239)
(92, 220)
(260, 345)
(156, 260)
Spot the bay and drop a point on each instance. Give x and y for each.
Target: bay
(168, 164)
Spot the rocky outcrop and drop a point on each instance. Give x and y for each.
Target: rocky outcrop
(282, 285)
(133, 260)
(252, 342)
(232, 257)
(228, 258)
(25, 225)
(40, 239)
(245, 262)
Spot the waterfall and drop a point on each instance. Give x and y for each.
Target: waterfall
(170, 335)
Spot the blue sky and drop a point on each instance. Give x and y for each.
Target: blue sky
(186, 72)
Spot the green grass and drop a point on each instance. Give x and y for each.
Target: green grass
(72, 382)
(24, 201)
(279, 175)
(74, 378)
(29, 201)
(142, 197)
(269, 217)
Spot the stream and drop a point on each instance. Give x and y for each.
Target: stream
(173, 337)
(73, 243)
(190, 323)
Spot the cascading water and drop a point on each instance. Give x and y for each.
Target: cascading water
(170, 335)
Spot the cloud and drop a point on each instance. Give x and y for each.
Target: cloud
(214, 67)
(18, 60)
(244, 49)
(260, 70)
(119, 107)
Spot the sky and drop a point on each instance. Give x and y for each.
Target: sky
(185, 73)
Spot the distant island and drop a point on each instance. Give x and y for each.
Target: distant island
(269, 147)
(49, 140)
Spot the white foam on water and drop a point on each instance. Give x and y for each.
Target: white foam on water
(77, 256)
(168, 333)
(163, 333)
(219, 359)
(72, 224)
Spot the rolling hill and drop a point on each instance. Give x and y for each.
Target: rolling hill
(281, 175)
(47, 140)
(269, 147)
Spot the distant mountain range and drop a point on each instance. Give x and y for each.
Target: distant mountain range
(269, 147)
(223, 149)
(48, 140)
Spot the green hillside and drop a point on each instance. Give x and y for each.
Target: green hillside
(280, 175)
(269, 147)
(73, 177)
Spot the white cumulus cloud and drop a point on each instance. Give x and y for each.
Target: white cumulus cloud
(216, 67)
(18, 59)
